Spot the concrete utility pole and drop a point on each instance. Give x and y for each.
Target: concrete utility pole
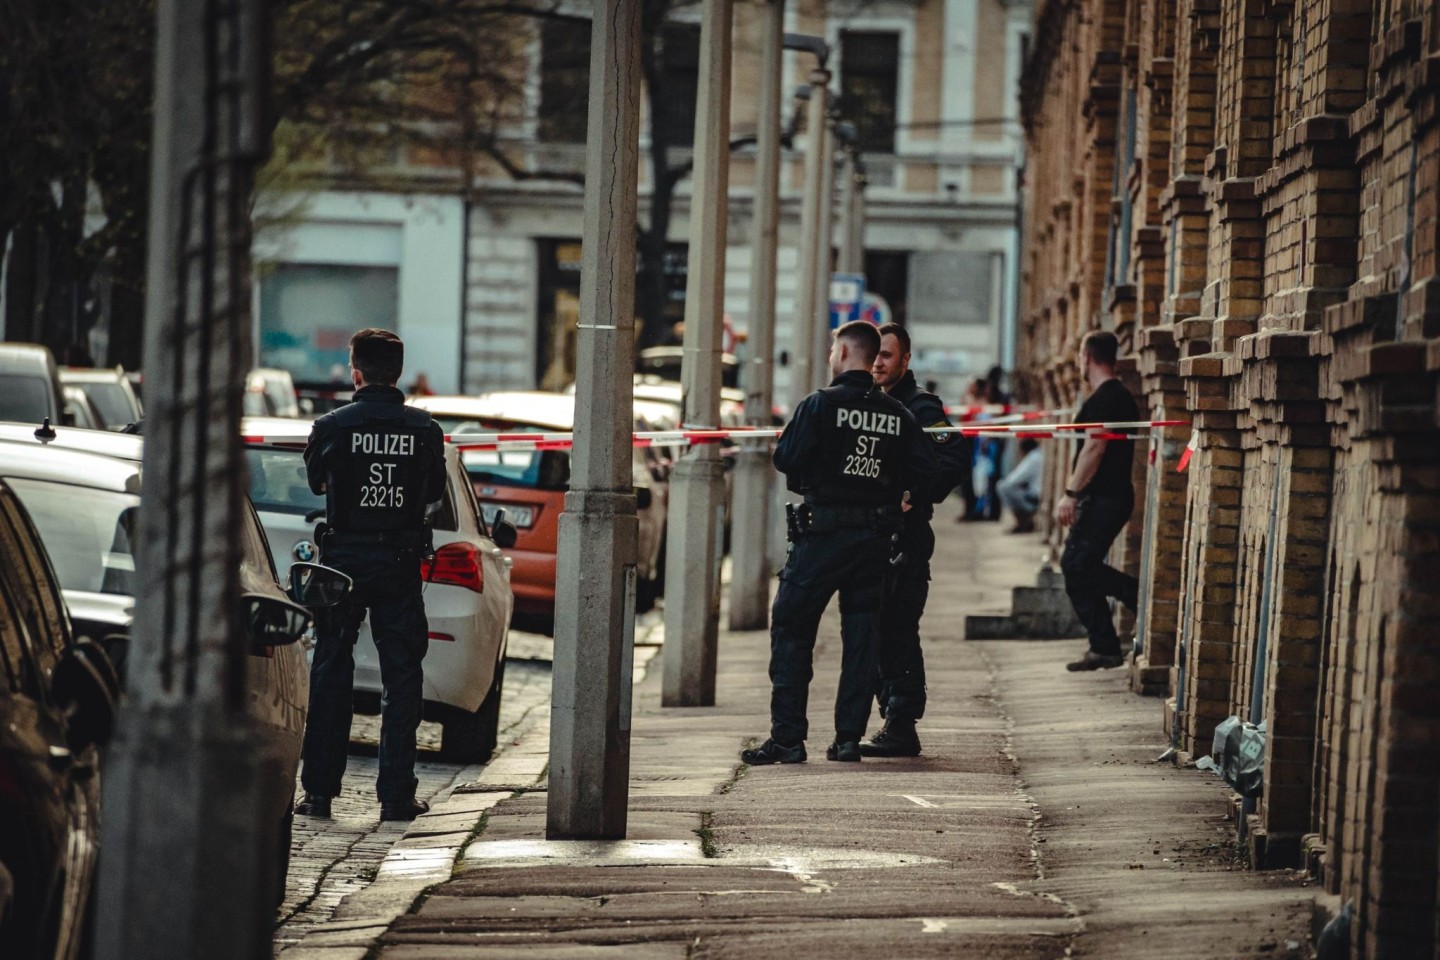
(595, 574)
(852, 202)
(190, 850)
(750, 525)
(820, 372)
(697, 486)
(802, 357)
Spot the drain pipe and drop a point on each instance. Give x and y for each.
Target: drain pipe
(1262, 640)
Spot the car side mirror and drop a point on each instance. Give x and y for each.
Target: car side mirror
(313, 585)
(272, 623)
(85, 687)
(503, 532)
(643, 498)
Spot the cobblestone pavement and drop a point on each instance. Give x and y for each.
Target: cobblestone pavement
(331, 859)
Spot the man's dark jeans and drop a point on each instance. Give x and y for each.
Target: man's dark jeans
(852, 562)
(387, 583)
(902, 664)
(1089, 580)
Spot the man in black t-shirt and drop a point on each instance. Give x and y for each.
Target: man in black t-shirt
(1097, 503)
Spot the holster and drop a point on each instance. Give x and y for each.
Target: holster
(798, 520)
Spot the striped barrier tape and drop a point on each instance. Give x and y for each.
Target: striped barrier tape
(1118, 430)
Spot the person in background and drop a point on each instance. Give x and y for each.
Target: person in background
(993, 448)
(421, 386)
(1099, 497)
(974, 397)
(1020, 489)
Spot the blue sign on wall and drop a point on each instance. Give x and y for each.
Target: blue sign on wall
(847, 294)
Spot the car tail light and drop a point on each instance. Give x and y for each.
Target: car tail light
(457, 564)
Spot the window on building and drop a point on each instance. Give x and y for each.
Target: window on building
(564, 80)
(308, 312)
(869, 85)
(681, 70)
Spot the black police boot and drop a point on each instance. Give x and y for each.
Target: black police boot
(847, 752)
(403, 809)
(772, 752)
(313, 805)
(1096, 661)
(896, 739)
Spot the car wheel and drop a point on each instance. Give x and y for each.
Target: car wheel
(470, 737)
(282, 860)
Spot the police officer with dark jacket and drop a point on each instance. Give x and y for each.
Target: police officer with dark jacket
(852, 452)
(379, 463)
(902, 665)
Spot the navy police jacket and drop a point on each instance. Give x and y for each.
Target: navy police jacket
(378, 462)
(851, 445)
(952, 451)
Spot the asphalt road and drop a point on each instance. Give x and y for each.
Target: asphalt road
(330, 859)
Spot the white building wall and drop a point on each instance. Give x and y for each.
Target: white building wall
(422, 235)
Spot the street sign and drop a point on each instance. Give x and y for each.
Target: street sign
(874, 308)
(847, 293)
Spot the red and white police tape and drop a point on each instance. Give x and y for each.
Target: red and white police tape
(1110, 430)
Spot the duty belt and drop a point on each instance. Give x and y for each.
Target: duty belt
(874, 518)
(398, 538)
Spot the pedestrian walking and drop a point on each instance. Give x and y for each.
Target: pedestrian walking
(902, 663)
(852, 452)
(379, 463)
(1096, 506)
(1020, 489)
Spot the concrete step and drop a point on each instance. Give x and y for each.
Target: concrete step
(1040, 600)
(1023, 626)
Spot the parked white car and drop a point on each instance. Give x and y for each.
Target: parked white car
(468, 600)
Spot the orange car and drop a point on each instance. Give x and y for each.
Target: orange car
(530, 486)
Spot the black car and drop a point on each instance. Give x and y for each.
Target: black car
(57, 706)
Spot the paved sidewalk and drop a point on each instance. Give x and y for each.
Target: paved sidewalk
(1036, 824)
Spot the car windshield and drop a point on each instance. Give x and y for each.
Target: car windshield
(113, 402)
(88, 533)
(24, 399)
(278, 482)
(538, 469)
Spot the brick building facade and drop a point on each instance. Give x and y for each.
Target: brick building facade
(1245, 191)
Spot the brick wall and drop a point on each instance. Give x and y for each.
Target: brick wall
(1281, 169)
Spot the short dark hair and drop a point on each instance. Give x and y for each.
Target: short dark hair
(898, 332)
(1103, 347)
(378, 354)
(862, 335)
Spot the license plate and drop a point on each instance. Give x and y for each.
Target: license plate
(521, 517)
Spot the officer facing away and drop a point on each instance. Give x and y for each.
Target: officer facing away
(902, 665)
(852, 452)
(378, 462)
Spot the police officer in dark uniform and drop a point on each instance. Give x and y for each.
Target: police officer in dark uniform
(852, 452)
(902, 665)
(379, 463)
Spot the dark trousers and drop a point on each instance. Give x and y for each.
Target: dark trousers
(851, 562)
(1089, 580)
(902, 665)
(387, 584)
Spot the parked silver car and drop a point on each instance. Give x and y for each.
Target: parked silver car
(109, 391)
(86, 507)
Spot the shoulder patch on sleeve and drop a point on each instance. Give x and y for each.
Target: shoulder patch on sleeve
(941, 437)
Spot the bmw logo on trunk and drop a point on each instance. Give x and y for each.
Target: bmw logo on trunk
(304, 551)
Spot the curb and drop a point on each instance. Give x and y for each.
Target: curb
(432, 845)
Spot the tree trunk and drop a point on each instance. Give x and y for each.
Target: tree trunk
(20, 280)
